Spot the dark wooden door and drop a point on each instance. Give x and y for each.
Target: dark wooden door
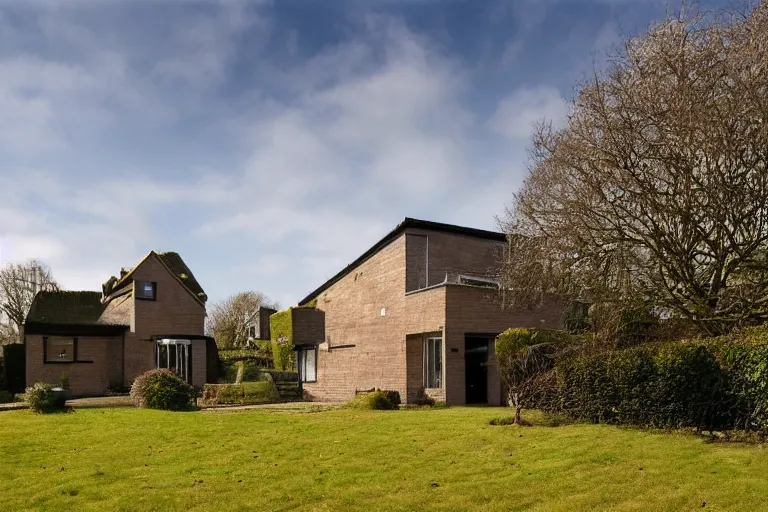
(476, 369)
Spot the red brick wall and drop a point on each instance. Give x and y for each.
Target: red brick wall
(92, 378)
(353, 317)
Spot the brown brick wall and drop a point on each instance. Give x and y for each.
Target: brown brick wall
(388, 350)
(416, 262)
(472, 310)
(92, 378)
(455, 253)
(353, 317)
(174, 311)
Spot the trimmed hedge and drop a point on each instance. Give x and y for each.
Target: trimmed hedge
(711, 384)
(162, 389)
(6, 397)
(246, 393)
(281, 328)
(15, 361)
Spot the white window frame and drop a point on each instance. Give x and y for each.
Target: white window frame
(433, 369)
(304, 356)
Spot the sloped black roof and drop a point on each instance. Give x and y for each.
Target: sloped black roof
(70, 308)
(408, 223)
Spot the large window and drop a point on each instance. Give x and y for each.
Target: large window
(175, 355)
(59, 350)
(433, 362)
(308, 364)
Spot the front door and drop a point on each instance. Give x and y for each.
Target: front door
(476, 369)
(175, 355)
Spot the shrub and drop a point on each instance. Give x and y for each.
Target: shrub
(43, 399)
(247, 393)
(6, 397)
(162, 389)
(376, 400)
(502, 421)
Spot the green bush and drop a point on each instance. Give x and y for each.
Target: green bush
(162, 389)
(6, 397)
(376, 400)
(42, 398)
(246, 393)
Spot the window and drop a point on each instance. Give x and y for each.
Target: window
(146, 290)
(175, 355)
(433, 362)
(308, 364)
(59, 350)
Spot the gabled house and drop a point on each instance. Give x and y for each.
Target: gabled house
(152, 316)
(417, 313)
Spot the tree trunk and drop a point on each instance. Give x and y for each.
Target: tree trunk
(518, 410)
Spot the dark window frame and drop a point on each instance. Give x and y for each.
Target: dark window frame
(75, 360)
(141, 296)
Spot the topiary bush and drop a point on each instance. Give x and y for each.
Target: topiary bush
(45, 398)
(162, 389)
(376, 400)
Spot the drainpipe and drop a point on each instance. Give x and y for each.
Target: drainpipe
(122, 362)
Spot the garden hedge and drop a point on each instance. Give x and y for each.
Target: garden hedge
(708, 384)
(246, 393)
(281, 328)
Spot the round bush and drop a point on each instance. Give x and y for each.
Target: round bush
(6, 397)
(377, 400)
(45, 398)
(162, 389)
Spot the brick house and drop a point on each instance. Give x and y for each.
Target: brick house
(417, 313)
(151, 316)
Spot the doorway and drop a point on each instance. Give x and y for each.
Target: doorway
(476, 369)
(175, 355)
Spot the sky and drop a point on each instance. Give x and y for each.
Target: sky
(271, 143)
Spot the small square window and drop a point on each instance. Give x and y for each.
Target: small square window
(146, 290)
(59, 350)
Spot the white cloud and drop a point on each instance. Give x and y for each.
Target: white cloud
(517, 113)
(328, 154)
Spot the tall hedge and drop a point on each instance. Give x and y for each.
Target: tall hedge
(15, 360)
(281, 328)
(682, 384)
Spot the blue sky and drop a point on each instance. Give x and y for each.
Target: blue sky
(270, 143)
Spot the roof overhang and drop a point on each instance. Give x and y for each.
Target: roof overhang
(158, 337)
(74, 329)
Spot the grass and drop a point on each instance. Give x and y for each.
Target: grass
(443, 459)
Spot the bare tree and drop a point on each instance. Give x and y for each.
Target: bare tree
(655, 194)
(230, 319)
(19, 283)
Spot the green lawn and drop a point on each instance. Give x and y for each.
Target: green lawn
(450, 459)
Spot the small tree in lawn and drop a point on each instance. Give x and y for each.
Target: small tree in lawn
(524, 362)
